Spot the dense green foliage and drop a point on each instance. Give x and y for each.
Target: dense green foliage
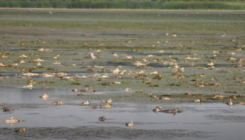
(128, 4)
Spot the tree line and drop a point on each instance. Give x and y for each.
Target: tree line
(127, 4)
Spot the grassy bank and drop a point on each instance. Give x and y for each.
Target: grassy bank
(178, 22)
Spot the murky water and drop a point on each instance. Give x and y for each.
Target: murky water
(217, 119)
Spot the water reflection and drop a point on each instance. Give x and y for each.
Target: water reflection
(22, 95)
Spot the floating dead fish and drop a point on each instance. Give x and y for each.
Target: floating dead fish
(127, 57)
(75, 90)
(48, 74)
(115, 54)
(173, 111)
(87, 90)
(61, 74)
(156, 110)
(20, 130)
(80, 94)
(92, 71)
(30, 86)
(189, 94)
(86, 103)
(230, 103)
(58, 103)
(57, 63)
(2, 65)
(38, 60)
(42, 49)
(165, 98)
(56, 57)
(155, 72)
(90, 55)
(93, 106)
(130, 124)
(22, 61)
(197, 101)
(30, 74)
(108, 101)
(116, 70)
(106, 106)
(7, 109)
(242, 103)
(23, 56)
(95, 66)
(12, 121)
(117, 83)
(127, 89)
(102, 118)
(44, 96)
(138, 63)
